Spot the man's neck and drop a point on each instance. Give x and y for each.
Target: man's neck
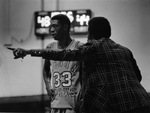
(64, 43)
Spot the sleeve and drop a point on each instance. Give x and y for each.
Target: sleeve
(78, 44)
(40, 52)
(85, 52)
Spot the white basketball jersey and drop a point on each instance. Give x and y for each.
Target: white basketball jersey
(65, 79)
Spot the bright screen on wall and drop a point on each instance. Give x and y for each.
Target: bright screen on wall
(78, 18)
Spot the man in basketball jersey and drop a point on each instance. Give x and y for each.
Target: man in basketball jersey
(62, 77)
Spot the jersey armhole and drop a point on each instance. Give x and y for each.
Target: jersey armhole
(78, 44)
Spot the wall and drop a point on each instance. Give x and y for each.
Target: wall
(130, 20)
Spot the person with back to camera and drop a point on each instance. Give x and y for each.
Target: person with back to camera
(110, 75)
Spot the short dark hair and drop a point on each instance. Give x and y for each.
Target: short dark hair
(63, 19)
(99, 27)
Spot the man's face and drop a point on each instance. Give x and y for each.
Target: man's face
(56, 29)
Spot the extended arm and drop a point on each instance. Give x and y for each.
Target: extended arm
(85, 52)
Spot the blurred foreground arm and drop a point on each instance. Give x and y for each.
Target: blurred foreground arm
(21, 53)
(86, 52)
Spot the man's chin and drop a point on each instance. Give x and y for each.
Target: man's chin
(55, 38)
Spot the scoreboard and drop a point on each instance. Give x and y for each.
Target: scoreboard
(78, 18)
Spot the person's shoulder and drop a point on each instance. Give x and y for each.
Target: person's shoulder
(93, 42)
(124, 48)
(51, 45)
(78, 43)
(96, 43)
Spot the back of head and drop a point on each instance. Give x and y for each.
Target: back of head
(99, 27)
(63, 20)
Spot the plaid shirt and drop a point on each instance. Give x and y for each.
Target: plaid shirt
(110, 76)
